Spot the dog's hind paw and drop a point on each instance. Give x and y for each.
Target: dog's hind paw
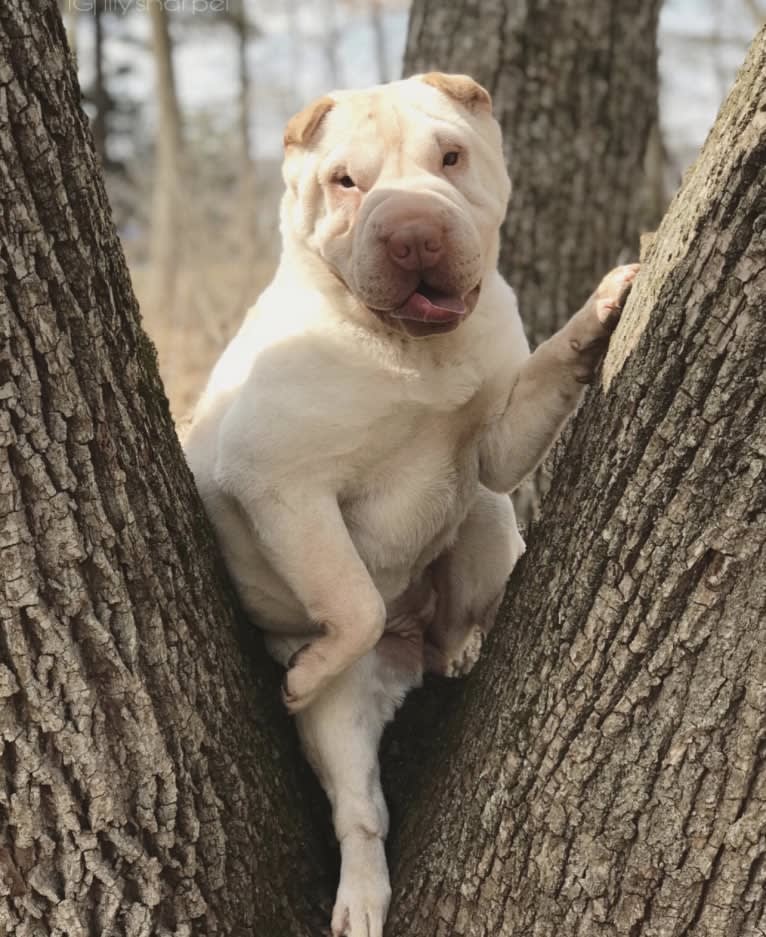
(364, 892)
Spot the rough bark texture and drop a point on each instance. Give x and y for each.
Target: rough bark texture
(574, 86)
(149, 781)
(603, 772)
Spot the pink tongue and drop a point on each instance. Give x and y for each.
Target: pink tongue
(436, 307)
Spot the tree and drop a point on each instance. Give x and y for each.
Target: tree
(604, 772)
(378, 26)
(100, 95)
(150, 784)
(167, 202)
(248, 220)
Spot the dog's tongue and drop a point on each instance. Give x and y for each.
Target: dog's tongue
(429, 305)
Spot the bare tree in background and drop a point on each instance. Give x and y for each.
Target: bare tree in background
(377, 22)
(245, 30)
(167, 228)
(292, 9)
(99, 94)
(757, 10)
(70, 11)
(330, 38)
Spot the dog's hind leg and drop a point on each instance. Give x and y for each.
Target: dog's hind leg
(470, 579)
(340, 731)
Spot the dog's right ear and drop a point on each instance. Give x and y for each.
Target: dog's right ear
(461, 88)
(302, 127)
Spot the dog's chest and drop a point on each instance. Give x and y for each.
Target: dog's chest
(405, 507)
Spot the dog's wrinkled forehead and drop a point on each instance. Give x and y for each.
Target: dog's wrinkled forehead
(384, 118)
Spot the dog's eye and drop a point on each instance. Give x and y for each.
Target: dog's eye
(451, 158)
(347, 182)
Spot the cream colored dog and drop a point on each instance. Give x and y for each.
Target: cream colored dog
(357, 440)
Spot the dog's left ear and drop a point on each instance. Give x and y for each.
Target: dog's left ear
(462, 89)
(303, 126)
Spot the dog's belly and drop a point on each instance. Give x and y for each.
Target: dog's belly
(408, 512)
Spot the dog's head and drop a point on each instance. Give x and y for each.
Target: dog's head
(400, 190)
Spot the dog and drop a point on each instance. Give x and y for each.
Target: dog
(358, 439)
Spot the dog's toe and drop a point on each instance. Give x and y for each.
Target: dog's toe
(359, 918)
(612, 293)
(364, 892)
(339, 920)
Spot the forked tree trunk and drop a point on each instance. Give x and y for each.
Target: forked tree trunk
(149, 784)
(604, 773)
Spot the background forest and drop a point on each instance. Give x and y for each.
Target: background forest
(188, 101)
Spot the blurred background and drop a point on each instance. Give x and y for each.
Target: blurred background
(188, 100)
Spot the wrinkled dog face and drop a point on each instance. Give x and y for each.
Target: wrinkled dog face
(400, 190)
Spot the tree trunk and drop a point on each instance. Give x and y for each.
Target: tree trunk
(149, 780)
(378, 26)
(246, 201)
(100, 94)
(167, 223)
(330, 39)
(604, 772)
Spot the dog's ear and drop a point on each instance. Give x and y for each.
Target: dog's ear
(462, 89)
(302, 127)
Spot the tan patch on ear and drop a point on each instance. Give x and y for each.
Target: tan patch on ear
(462, 89)
(302, 127)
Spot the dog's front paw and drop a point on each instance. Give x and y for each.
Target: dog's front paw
(587, 333)
(364, 892)
(611, 294)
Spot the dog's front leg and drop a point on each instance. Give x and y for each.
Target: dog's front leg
(550, 385)
(303, 535)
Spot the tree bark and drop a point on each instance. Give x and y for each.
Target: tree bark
(574, 86)
(149, 780)
(603, 772)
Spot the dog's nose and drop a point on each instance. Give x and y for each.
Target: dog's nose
(416, 246)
